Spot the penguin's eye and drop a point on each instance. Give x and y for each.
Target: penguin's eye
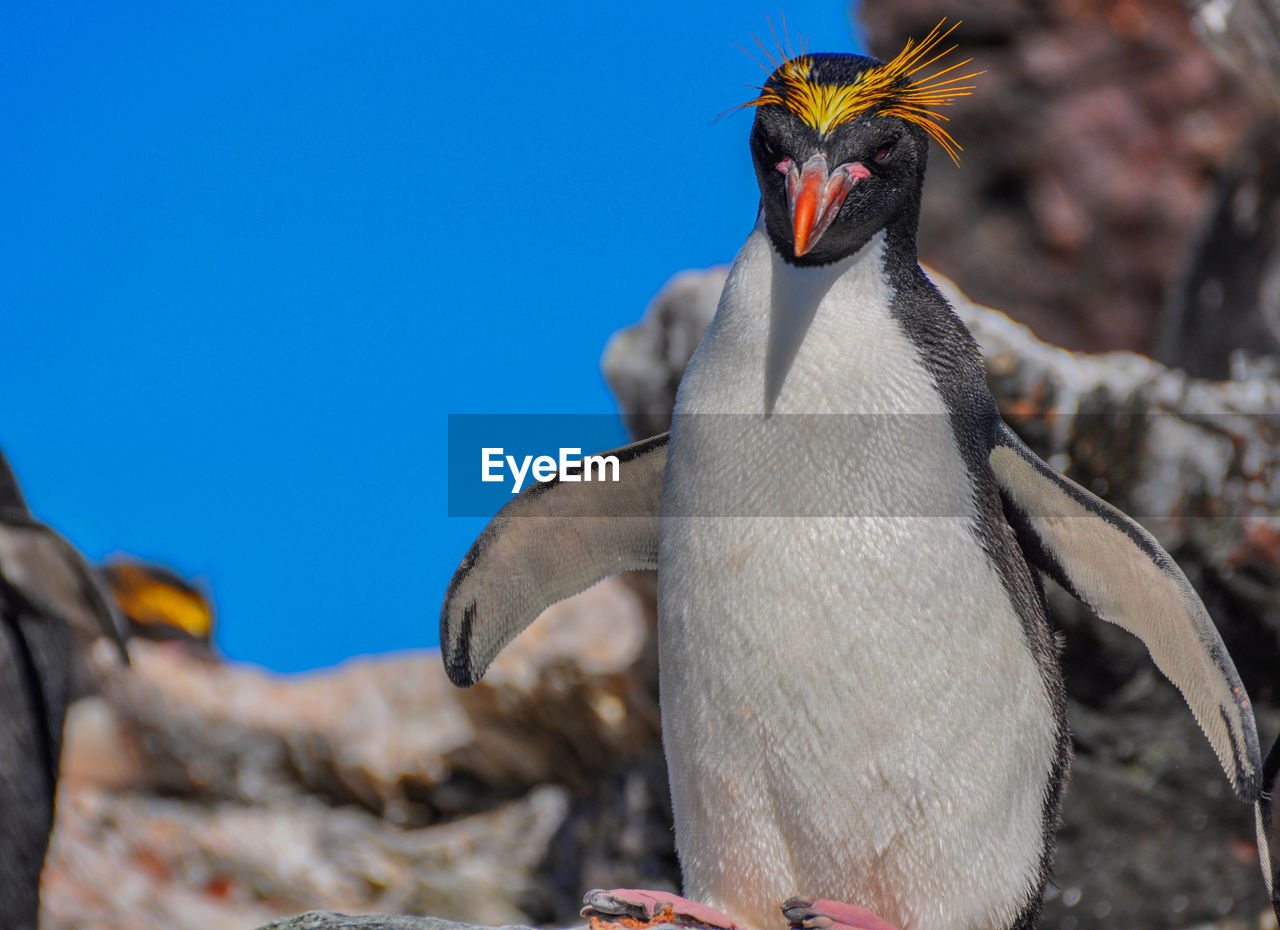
(768, 151)
(883, 152)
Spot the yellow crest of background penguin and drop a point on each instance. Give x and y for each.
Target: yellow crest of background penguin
(860, 689)
(156, 603)
(45, 588)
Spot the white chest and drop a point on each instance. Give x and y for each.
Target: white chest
(849, 706)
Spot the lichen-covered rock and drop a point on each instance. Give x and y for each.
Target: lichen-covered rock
(644, 362)
(389, 734)
(161, 856)
(329, 920)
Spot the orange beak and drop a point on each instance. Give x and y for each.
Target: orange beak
(814, 197)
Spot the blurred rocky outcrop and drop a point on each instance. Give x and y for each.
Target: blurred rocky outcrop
(1113, 165)
(203, 795)
(328, 920)
(643, 363)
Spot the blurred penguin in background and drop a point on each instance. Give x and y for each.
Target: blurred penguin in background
(46, 588)
(154, 602)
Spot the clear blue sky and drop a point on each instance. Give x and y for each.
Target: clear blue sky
(253, 254)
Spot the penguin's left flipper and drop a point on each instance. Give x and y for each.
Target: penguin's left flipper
(1117, 568)
(44, 570)
(555, 539)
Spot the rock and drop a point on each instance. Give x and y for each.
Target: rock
(208, 795)
(1151, 834)
(390, 734)
(644, 362)
(328, 920)
(647, 360)
(263, 860)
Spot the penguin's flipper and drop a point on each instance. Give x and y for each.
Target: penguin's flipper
(555, 539)
(47, 572)
(1117, 568)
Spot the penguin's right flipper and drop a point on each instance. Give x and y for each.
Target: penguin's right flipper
(44, 570)
(555, 539)
(1118, 569)
(1267, 818)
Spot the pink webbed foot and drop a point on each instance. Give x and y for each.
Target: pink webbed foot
(632, 908)
(830, 915)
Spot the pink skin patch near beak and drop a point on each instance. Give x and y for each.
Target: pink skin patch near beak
(814, 197)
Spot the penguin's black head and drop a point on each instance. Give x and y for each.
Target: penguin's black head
(840, 144)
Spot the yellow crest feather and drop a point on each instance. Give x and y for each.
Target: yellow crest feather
(824, 106)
